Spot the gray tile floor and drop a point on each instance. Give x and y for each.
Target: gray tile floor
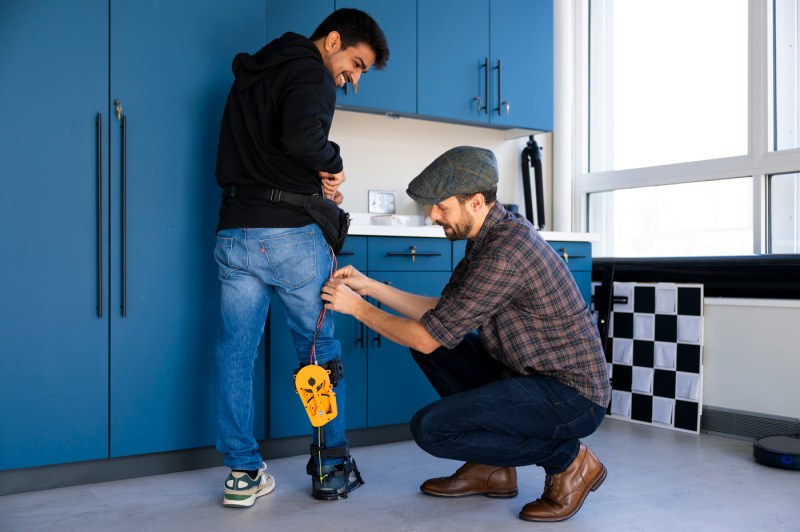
(658, 480)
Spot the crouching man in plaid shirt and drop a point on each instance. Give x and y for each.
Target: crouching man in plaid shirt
(530, 382)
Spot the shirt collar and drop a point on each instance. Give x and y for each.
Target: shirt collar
(496, 214)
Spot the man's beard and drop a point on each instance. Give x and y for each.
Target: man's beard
(462, 229)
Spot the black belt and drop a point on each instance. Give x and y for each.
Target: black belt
(273, 195)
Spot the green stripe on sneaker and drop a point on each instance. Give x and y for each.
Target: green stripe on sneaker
(237, 497)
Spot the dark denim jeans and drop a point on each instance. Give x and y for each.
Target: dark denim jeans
(486, 417)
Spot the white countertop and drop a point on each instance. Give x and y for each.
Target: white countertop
(361, 225)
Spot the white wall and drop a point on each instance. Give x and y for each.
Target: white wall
(381, 153)
(751, 355)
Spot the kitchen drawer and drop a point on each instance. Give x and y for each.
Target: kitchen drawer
(577, 255)
(354, 252)
(393, 254)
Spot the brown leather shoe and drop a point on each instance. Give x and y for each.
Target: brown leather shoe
(474, 479)
(565, 492)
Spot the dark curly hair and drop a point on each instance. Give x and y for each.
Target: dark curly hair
(355, 27)
(489, 196)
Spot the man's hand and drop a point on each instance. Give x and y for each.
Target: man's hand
(354, 279)
(340, 298)
(331, 183)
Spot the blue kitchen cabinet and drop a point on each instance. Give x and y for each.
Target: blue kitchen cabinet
(453, 51)
(491, 61)
(298, 16)
(384, 384)
(393, 89)
(53, 315)
(397, 388)
(170, 71)
(287, 417)
(521, 81)
(110, 309)
(578, 258)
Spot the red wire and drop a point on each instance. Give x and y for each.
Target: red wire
(320, 320)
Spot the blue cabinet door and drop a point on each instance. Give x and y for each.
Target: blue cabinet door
(409, 254)
(394, 88)
(452, 57)
(53, 341)
(578, 258)
(170, 69)
(298, 16)
(500, 51)
(397, 388)
(287, 417)
(521, 81)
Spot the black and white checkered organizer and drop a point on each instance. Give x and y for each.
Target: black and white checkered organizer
(654, 354)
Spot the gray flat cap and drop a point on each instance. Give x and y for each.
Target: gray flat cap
(461, 170)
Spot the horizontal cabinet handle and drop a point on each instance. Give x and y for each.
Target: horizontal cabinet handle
(346, 253)
(413, 254)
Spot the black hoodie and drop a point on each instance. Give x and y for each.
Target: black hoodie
(274, 131)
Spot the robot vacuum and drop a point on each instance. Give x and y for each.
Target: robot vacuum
(778, 451)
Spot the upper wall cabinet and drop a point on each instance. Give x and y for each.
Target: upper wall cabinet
(299, 16)
(488, 62)
(393, 89)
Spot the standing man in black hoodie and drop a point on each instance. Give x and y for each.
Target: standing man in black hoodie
(273, 152)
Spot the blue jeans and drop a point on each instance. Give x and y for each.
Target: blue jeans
(488, 417)
(255, 265)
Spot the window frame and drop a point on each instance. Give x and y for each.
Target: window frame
(572, 91)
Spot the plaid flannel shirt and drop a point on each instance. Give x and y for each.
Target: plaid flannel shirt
(517, 292)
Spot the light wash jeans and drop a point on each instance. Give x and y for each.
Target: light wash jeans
(255, 265)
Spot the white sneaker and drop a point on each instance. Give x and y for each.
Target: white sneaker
(242, 491)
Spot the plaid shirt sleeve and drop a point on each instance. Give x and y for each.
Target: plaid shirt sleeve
(470, 301)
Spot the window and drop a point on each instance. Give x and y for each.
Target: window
(784, 79)
(686, 122)
(668, 82)
(701, 219)
(784, 198)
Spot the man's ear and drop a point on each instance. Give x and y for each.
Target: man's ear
(477, 201)
(333, 41)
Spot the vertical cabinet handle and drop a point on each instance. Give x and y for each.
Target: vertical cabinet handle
(99, 206)
(485, 67)
(486, 83)
(377, 338)
(360, 340)
(124, 184)
(499, 105)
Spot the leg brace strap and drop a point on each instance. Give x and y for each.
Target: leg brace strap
(335, 366)
(335, 483)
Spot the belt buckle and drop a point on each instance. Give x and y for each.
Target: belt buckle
(275, 195)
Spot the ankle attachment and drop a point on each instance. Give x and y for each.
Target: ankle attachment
(334, 481)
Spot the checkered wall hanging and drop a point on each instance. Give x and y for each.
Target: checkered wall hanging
(654, 354)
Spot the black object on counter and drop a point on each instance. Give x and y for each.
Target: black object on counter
(532, 157)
